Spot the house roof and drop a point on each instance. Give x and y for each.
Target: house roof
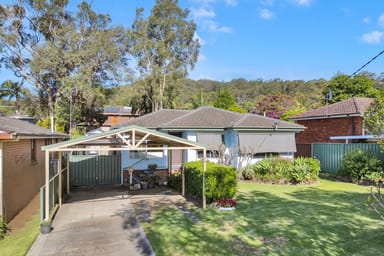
(207, 118)
(125, 138)
(19, 128)
(352, 107)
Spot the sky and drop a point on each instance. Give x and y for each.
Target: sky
(275, 39)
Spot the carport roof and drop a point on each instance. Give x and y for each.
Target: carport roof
(126, 138)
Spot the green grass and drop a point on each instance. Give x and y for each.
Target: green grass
(18, 243)
(329, 218)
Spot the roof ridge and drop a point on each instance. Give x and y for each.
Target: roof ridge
(188, 112)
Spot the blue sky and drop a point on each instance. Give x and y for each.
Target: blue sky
(285, 39)
(268, 39)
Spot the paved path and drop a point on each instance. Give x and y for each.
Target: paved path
(94, 222)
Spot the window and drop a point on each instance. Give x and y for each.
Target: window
(33, 151)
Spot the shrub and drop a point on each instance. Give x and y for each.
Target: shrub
(248, 173)
(220, 181)
(175, 181)
(277, 170)
(3, 227)
(359, 165)
(304, 170)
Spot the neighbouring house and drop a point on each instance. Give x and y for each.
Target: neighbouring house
(334, 123)
(21, 163)
(116, 115)
(234, 138)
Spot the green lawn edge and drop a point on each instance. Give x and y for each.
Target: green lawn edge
(19, 242)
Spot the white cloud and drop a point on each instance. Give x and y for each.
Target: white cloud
(373, 37)
(201, 57)
(212, 26)
(303, 2)
(202, 13)
(267, 2)
(201, 40)
(231, 2)
(367, 20)
(266, 14)
(381, 20)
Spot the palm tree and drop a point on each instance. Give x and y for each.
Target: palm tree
(11, 90)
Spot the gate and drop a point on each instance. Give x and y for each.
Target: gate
(95, 170)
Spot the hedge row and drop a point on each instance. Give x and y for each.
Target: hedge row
(220, 181)
(279, 170)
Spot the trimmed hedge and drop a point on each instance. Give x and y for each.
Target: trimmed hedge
(280, 170)
(220, 181)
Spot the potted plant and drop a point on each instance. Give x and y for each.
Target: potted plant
(226, 204)
(45, 226)
(152, 167)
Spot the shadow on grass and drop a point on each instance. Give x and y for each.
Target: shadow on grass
(309, 221)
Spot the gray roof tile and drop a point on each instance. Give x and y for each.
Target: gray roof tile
(206, 118)
(19, 127)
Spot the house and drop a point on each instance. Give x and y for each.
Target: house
(335, 123)
(234, 138)
(116, 115)
(21, 163)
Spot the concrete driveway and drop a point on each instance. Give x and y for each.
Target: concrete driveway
(94, 222)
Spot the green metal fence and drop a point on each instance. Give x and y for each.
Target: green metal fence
(95, 170)
(53, 193)
(331, 154)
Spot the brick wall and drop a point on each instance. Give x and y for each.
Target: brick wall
(320, 130)
(22, 176)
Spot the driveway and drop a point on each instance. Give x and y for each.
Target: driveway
(94, 222)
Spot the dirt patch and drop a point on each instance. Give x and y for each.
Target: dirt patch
(25, 215)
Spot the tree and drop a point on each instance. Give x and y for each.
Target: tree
(374, 117)
(344, 87)
(54, 49)
(12, 90)
(164, 46)
(277, 106)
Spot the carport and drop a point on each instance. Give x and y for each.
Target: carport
(124, 139)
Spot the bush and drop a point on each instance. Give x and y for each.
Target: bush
(278, 170)
(220, 181)
(175, 181)
(304, 170)
(3, 227)
(248, 173)
(359, 165)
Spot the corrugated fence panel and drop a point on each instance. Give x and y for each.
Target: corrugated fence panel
(95, 170)
(331, 155)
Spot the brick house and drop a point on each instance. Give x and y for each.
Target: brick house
(116, 115)
(341, 119)
(21, 163)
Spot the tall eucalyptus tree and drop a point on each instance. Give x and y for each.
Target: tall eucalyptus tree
(165, 47)
(57, 50)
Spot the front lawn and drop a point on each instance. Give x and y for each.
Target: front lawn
(329, 218)
(18, 242)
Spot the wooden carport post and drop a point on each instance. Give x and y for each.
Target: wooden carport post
(46, 204)
(68, 170)
(204, 169)
(182, 174)
(60, 187)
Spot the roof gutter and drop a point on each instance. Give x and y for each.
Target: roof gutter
(326, 116)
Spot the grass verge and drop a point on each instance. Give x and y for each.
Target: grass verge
(329, 218)
(18, 242)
